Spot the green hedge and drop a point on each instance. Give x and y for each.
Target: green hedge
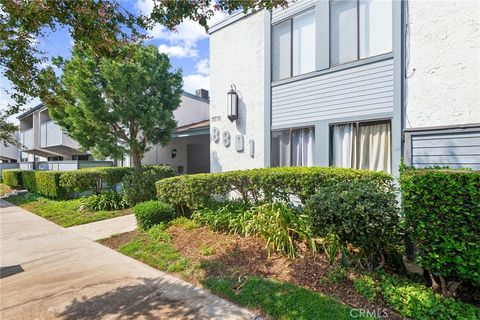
(93, 179)
(48, 184)
(257, 185)
(12, 178)
(150, 213)
(29, 180)
(442, 215)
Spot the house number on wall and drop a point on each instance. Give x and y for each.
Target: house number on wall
(226, 138)
(216, 135)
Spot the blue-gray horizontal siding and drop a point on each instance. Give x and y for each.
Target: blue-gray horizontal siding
(357, 91)
(455, 150)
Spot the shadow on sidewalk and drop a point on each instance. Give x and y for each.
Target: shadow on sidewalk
(150, 299)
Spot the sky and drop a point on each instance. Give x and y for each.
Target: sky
(188, 48)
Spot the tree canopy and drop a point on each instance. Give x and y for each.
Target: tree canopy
(116, 105)
(102, 25)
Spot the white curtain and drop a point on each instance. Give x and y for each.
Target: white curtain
(344, 146)
(303, 141)
(375, 147)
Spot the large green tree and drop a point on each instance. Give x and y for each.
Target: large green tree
(116, 106)
(102, 25)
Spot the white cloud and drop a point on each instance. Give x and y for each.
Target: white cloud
(187, 33)
(203, 66)
(193, 82)
(178, 51)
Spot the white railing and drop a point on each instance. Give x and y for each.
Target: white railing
(26, 139)
(65, 165)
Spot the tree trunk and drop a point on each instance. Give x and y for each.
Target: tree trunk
(137, 160)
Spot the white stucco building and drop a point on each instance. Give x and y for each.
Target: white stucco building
(348, 83)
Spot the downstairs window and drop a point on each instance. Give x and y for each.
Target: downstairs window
(293, 147)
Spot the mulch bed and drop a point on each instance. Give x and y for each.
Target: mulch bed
(237, 256)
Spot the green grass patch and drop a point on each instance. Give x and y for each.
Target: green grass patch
(185, 223)
(206, 250)
(279, 300)
(153, 248)
(65, 213)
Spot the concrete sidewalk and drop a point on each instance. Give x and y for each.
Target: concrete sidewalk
(106, 228)
(68, 276)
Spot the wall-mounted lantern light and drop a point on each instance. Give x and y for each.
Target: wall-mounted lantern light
(174, 153)
(232, 104)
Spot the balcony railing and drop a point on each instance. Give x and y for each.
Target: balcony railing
(50, 134)
(26, 139)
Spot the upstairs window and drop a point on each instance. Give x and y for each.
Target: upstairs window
(359, 29)
(293, 46)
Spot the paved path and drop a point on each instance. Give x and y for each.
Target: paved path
(68, 276)
(106, 228)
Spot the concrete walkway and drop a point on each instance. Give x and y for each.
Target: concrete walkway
(68, 276)
(106, 228)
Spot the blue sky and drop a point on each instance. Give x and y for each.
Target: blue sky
(188, 48)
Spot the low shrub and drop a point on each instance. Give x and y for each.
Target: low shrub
(93, 179)
(152, 212)
(442, 215)
(139, 186)
(29, 180)
(366, 286)
(416, 301)
(48, 184)
(278, 224)
(191, 192)
(281, 226)
(226, 216)
(103, 202)
(359, 213)
(13, 178)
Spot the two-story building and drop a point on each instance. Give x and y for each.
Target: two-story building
(347, 83)
(46, 146)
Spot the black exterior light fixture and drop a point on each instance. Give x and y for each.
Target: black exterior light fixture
(232, 104)
(174, 153)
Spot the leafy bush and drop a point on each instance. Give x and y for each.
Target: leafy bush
(366, 286)
(416, 301)
(103, 202)
(224, 216)
(191, 192)
(139, 186)
(93, 179)
(152, 212)
(280, 226)
(13, 178)
(359, 213)
(29, 180)
(277, 223)
(442, 215)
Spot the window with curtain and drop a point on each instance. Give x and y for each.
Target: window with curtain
(293, 147)
(364, 145)
(293, 46)
(359, 29)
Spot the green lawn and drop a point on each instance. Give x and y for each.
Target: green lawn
(65, 213)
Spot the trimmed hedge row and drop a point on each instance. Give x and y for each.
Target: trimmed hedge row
(13, 178)
(257, 185)
(45, 183)
(93, 179)
(442, 215)
(61, 184)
